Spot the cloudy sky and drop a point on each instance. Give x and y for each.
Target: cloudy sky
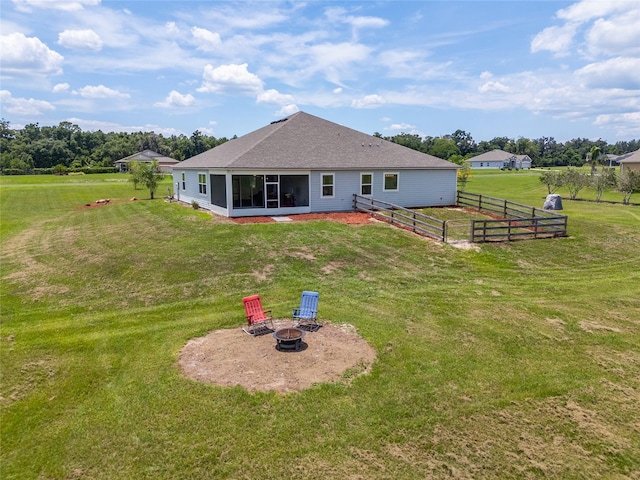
(505, 68)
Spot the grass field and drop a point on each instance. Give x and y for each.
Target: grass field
(519, 360)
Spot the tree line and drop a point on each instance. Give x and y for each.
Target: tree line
(67, 147)
(543, 151)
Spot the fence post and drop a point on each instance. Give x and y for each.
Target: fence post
(504, 209)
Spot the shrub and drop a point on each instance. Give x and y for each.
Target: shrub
(195, 205)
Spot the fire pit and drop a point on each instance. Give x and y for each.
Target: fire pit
(289, 338)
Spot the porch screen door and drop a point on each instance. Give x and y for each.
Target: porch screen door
(272, 191)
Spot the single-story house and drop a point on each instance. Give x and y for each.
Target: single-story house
(165, 163)
(630, 161)
(610, 159)
(500, 159)
(305, 164)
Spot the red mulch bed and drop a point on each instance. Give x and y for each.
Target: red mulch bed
(350, 218)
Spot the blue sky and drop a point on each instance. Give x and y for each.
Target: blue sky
(508, 68)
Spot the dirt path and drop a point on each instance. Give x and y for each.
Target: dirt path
(231, 357)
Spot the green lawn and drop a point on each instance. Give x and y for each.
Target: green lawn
(519, 360)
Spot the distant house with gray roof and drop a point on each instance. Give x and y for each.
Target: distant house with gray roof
(305, 164)
(629, 161)
(500, 159)
(165, 163)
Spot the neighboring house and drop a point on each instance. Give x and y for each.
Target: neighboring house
(630, 161)
(500, 159)
(165, 163)
(610, 159)
(304, 164)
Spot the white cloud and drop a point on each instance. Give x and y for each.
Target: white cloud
(273, 96)
(23, 106)
(246, 15)
(334, 60)
(60, 88)
(94, 125)
(100, 91)
(369, 101)
(589, 9)
(207, 40)
(490, 87)
(625, 124)
(337, 90)
(338, 14)
(21, 55)
(287, 110)
(614, 30)
(230, 79)
(176, 99)
(403, 127)
(172, 28)
(620, 72)
(617, 35)
(80, 40)
(68, 6)
(557, 39)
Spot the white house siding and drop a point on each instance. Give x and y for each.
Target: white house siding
(417, 188)
(191, 192)
(495, 164)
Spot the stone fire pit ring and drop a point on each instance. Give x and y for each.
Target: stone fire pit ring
(289, 338)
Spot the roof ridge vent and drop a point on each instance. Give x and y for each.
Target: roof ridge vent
(280, 121)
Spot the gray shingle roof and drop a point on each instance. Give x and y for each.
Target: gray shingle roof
(633, 157)
(304, 141)
(493, 156)
(147, 156)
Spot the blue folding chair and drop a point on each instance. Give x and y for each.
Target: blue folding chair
(306, 316)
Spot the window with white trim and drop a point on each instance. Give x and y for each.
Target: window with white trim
(328, 185)
(391, 183)
(366, 183)
(184, 182)
(202, 183)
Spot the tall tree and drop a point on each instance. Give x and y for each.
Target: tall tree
(464, 141)
(594, 157)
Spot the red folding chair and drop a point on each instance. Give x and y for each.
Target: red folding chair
(258, 319)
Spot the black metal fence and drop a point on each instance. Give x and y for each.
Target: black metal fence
(513, 221)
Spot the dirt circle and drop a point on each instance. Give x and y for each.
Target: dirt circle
(231, 357)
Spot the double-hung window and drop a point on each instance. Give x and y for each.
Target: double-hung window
(202, 183)
(366, 183)
(184, 182)
(328, 185)
(390, 182)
